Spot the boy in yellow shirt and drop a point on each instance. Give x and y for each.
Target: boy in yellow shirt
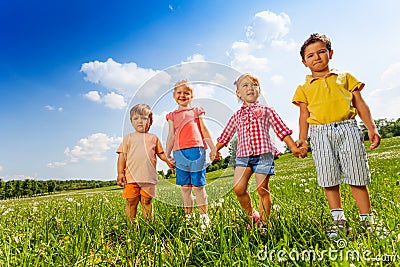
(329, 101)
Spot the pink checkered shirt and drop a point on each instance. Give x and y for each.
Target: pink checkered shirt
(252, 124)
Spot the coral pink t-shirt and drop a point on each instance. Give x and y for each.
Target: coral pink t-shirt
(140, 150)
(187, 128)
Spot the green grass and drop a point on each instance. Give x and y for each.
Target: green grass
(88, 228)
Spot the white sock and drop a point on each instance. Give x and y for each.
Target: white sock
(338, 214)
(367, 217)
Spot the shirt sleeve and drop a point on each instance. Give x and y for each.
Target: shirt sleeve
(299, 96)
(279, 127)
(353, 83)
(159, 149)
(122, 146)
(170, 116)
(228, 132)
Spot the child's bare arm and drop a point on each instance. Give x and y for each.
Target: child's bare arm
(170, 139)
(303, 126)
(208, 139)
(365, 115)
(121, 165)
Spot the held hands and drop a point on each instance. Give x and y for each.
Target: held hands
(214, 155)
(302, 145)
(171, 163)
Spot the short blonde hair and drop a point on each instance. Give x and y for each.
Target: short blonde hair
(144, 110)
(186, 83)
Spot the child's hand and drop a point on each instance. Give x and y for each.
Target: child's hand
(214, 155)
(171, 166)
(304, 151)
(121, 180)
(375, 140)
(171, 160)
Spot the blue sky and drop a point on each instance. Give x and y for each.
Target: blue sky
(69, 70)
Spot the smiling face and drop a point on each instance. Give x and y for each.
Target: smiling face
(248, 90)
(183, 95)
(316, 58)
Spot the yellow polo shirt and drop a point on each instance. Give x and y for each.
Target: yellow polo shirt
(328, 99)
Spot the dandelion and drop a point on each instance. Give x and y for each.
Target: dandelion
(97, 261)
(115, 227)
(386, 179)
(7, 211)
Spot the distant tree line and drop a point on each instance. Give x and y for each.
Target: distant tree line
(29, 188)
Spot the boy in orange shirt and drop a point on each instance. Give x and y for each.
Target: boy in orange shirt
(137, 163)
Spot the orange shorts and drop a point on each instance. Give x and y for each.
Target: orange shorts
(133, 190)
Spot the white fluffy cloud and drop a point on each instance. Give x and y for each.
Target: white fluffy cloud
(91, 148)
(391, 76)
(1, 168)
(49, 107)
(268, 26)
(267, 29)
(384, 101)
(124, 78)
(110, 100)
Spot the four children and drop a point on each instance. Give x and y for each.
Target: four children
(329, 102)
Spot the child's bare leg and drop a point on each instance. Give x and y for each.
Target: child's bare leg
(146, 207)
(241, 179)
(201, 198)
(361, 196)
(333, 196)
(187, 198)
(131, 207)
(264, 195)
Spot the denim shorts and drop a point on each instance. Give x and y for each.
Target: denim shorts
(190, 166)
(263, 163)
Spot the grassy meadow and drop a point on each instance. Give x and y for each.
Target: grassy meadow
(89, 228)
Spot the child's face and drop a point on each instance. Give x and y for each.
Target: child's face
(248, 90)
(182, 96)
(140, 123)
(316, 57)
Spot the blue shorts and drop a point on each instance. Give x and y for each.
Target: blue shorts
(263, 163)
(190, 166)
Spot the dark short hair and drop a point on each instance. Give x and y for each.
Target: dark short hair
(315, 37)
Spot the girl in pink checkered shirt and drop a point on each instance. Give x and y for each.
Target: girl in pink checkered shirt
(255, 150)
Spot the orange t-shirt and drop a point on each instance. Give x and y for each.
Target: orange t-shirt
(187, 128)
(140, 150)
